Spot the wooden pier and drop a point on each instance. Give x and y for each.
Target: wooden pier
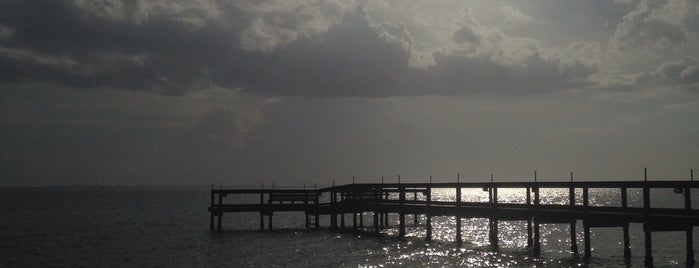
(380, 200)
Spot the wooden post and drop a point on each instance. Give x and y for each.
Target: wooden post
(211, 220)
(269, 220)
(262, 221)
(305, 206)
(342, 213)
(317, 216)
(401, 214)
(494, 233)
(537, 239)
(376, 222)
(586, 227)
(458, 209)
(342, 221)
(529, 220)
(381, 220)
(333, 214)
(385, 215)
(354, 221)
(588, 242)
(536, 250)
(262, 216)
(494, 220)
(648, 261)
(376, 212)
(415, 219)
(220, 215)
(624, 204)
(428, 216)
(573, 221)
(690, 229)
(361, 219)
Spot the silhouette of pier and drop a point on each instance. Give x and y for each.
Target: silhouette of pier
(380, 200)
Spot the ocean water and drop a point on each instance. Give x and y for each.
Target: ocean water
(168, 227)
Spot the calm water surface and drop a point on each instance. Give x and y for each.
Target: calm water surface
(128, 226)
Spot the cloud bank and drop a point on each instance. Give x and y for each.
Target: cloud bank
(303, 48)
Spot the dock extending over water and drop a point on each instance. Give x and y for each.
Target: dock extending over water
(380, 200)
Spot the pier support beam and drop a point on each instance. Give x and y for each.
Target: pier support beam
(269, 221)
(211, 222)
(381, 220)
(588, 243)
(648, 260)
(690, 229)
(262, 221)
(529, 220)
(530, 240)
(627, 247)
(220, 216)
(361, 219)
(401, 214)
(342, 221)
(376, 223)
(354, 221)
(493, 221)
(428, 226)
(624, 205)
(573, 238)
(573, 222)
(537, 239)
(428, 217)
(458, 229)
(690, 246)
(415, 216)
(536, 249)
(333, 221)
(586, 226)
(494, 233)
(458, 214)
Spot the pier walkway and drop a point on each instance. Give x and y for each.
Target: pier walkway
(380, 200)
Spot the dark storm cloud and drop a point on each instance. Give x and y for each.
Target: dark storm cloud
(165, 52)
(175, 51)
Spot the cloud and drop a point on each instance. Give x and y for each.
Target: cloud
(654, 25)
(516, 16)
(681, 72)
(302, 48)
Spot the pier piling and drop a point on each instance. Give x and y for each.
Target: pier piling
(458, 210)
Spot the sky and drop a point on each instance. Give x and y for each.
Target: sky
(194, 92)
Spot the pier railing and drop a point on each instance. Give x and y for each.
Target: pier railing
(415, 199)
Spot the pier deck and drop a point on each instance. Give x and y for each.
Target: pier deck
(379, 200)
